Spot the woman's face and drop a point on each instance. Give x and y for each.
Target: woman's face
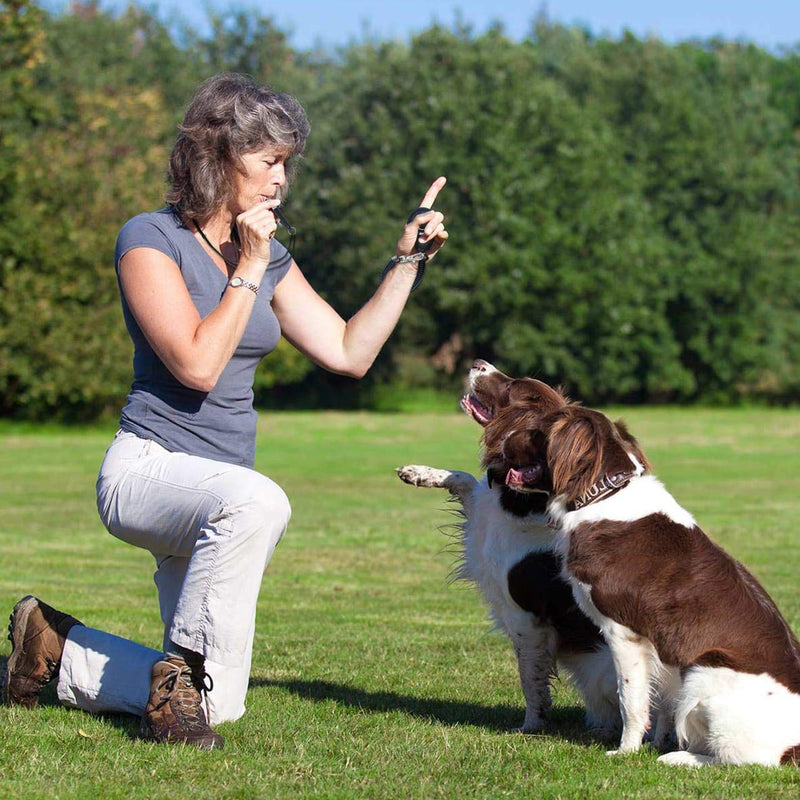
(262, 176)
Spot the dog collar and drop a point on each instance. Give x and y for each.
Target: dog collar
(605, 487)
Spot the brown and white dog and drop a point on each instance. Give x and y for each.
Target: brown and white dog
(507, 551)
(685, 622)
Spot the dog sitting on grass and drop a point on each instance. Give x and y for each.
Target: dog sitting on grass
(507, 551)
(692, 633)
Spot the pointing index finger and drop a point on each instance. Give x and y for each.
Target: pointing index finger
(433, 191)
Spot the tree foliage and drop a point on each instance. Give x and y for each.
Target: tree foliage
(623, 213)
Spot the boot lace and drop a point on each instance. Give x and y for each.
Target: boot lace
(184, 687)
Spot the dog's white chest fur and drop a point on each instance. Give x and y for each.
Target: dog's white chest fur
(494, 541)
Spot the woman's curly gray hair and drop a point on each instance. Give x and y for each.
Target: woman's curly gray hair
(229, 116)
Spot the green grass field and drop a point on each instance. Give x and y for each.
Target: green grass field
(372, 676)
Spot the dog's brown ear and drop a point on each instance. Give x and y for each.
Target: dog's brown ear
(572, 454)
(536, 395)
(583, 445)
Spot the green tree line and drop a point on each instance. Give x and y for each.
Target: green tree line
(623, 213)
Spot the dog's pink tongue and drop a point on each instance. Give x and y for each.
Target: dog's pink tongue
(521, 477)
(514, 477)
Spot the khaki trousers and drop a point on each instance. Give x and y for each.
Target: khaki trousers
(212, 528)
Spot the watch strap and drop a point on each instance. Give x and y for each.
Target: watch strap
(236, 282)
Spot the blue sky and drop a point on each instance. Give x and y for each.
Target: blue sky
(331, 23)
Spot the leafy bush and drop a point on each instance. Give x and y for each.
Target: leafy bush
(623, 214)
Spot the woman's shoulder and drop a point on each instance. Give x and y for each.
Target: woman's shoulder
(155, 229)
(164, 220)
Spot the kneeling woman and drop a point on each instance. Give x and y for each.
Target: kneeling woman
(207, 291)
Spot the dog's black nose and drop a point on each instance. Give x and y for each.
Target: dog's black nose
(480, 365)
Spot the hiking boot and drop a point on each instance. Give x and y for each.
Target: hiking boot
(37, 633)
(175, 711)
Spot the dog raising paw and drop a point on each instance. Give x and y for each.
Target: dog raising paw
(417, 475)
(507, 551)
(459, 484)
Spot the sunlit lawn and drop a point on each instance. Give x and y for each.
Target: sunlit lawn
(372, 677)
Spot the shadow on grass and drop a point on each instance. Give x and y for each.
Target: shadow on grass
(566, 722)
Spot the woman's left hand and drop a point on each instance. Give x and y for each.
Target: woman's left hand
(433, 221)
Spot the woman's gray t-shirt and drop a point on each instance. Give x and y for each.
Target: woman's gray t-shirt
(220, 424)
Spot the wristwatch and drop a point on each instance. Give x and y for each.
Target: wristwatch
(236, 282)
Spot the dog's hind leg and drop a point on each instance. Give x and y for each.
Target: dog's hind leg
(669, 682)
(459, 484)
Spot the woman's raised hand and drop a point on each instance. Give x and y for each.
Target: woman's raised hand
(432, 220)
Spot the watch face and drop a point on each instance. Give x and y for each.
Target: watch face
(237, 281)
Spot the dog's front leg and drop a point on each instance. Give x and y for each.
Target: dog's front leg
(634, 658)
(535, 651)
(459, 484)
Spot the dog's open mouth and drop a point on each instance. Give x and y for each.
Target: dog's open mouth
(477, 410)
(525, 478)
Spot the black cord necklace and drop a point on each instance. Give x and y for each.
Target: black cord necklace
(231, 264)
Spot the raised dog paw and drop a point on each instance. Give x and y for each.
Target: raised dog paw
(417, 475)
